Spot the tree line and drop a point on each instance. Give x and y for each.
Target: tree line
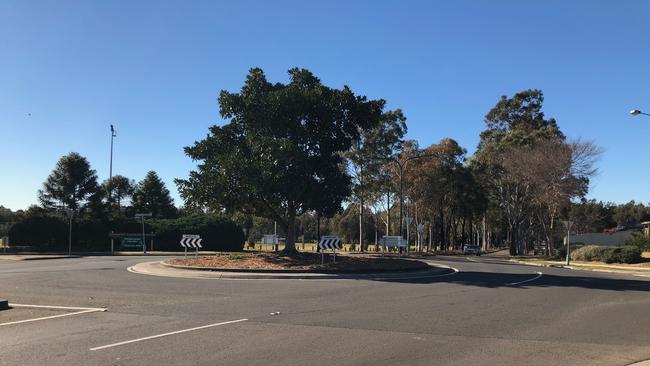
(303, 148)
(73, 185)
(316, 160)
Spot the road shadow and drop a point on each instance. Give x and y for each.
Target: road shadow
(497, 280)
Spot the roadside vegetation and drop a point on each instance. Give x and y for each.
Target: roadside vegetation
(304, 159)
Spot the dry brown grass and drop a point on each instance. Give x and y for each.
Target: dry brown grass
(299, 262)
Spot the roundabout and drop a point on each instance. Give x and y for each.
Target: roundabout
(165, 269)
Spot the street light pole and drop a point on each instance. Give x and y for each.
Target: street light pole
(568, 224)
(142, 216)
(70, 213)
(110, 169)
(402, 167)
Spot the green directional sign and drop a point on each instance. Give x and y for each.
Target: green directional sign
(131, 243)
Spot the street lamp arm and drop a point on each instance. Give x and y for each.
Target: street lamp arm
(636, 112)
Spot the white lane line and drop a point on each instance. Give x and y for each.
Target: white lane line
(55, 307)
(166, 334)
(539, 274)
(471, 260)
(81, 311)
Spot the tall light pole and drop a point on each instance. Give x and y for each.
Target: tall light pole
(142, 217)
(110, 169)
(568, 225)
(636, 112)
(70, 213)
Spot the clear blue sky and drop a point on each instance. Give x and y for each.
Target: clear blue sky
(155, 68)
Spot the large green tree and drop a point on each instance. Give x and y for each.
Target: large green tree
(118, 189)
(281, 153)
(151, 195)
(72, 184)
(514, 122)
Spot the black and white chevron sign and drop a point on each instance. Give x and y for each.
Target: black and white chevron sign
(191, 241)
(330, 242)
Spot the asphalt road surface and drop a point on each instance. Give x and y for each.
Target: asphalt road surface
(492, 312)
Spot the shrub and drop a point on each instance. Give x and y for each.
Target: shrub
(589, 253)
(218, 233)
(45, 233)
(560, 252)
(640, 241)
(627, 254)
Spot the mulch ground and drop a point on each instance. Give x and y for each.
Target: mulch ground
(299, 262)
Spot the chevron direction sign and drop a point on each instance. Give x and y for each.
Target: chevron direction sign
(191, 241)
(328, 242)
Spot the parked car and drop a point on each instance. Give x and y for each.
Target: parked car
(472, 249)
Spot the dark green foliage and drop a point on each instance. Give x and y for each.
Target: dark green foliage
(595, 253)
(627, 254)
(631, 213)
(280, 154)
(218, 233)
(151, 195)
(118, 189)
(46, 233)
(640, 241)
(72, 184)
(518, 121)
(50, 232)
(592, 216)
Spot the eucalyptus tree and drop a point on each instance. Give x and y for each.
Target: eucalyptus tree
(367, 156)
(555, 172)
(513, 122)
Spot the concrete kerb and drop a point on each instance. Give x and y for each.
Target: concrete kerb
(32, 257)
(156, 268)
(594, 268)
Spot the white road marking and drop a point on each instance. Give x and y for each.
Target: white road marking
(471, 260)
(455, 270)
(539, 274)
(166, 334)
(81, 311)
(55, 307)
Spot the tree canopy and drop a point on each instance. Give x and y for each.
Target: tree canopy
(151, 195)
(72, 184)
(280, 155)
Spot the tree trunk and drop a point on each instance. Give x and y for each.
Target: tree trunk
(483, 232)
(317, 231)
(512, 240)
(376, 236)
(290, 243)
(430, 236)
(361, 223)
(387, 213)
